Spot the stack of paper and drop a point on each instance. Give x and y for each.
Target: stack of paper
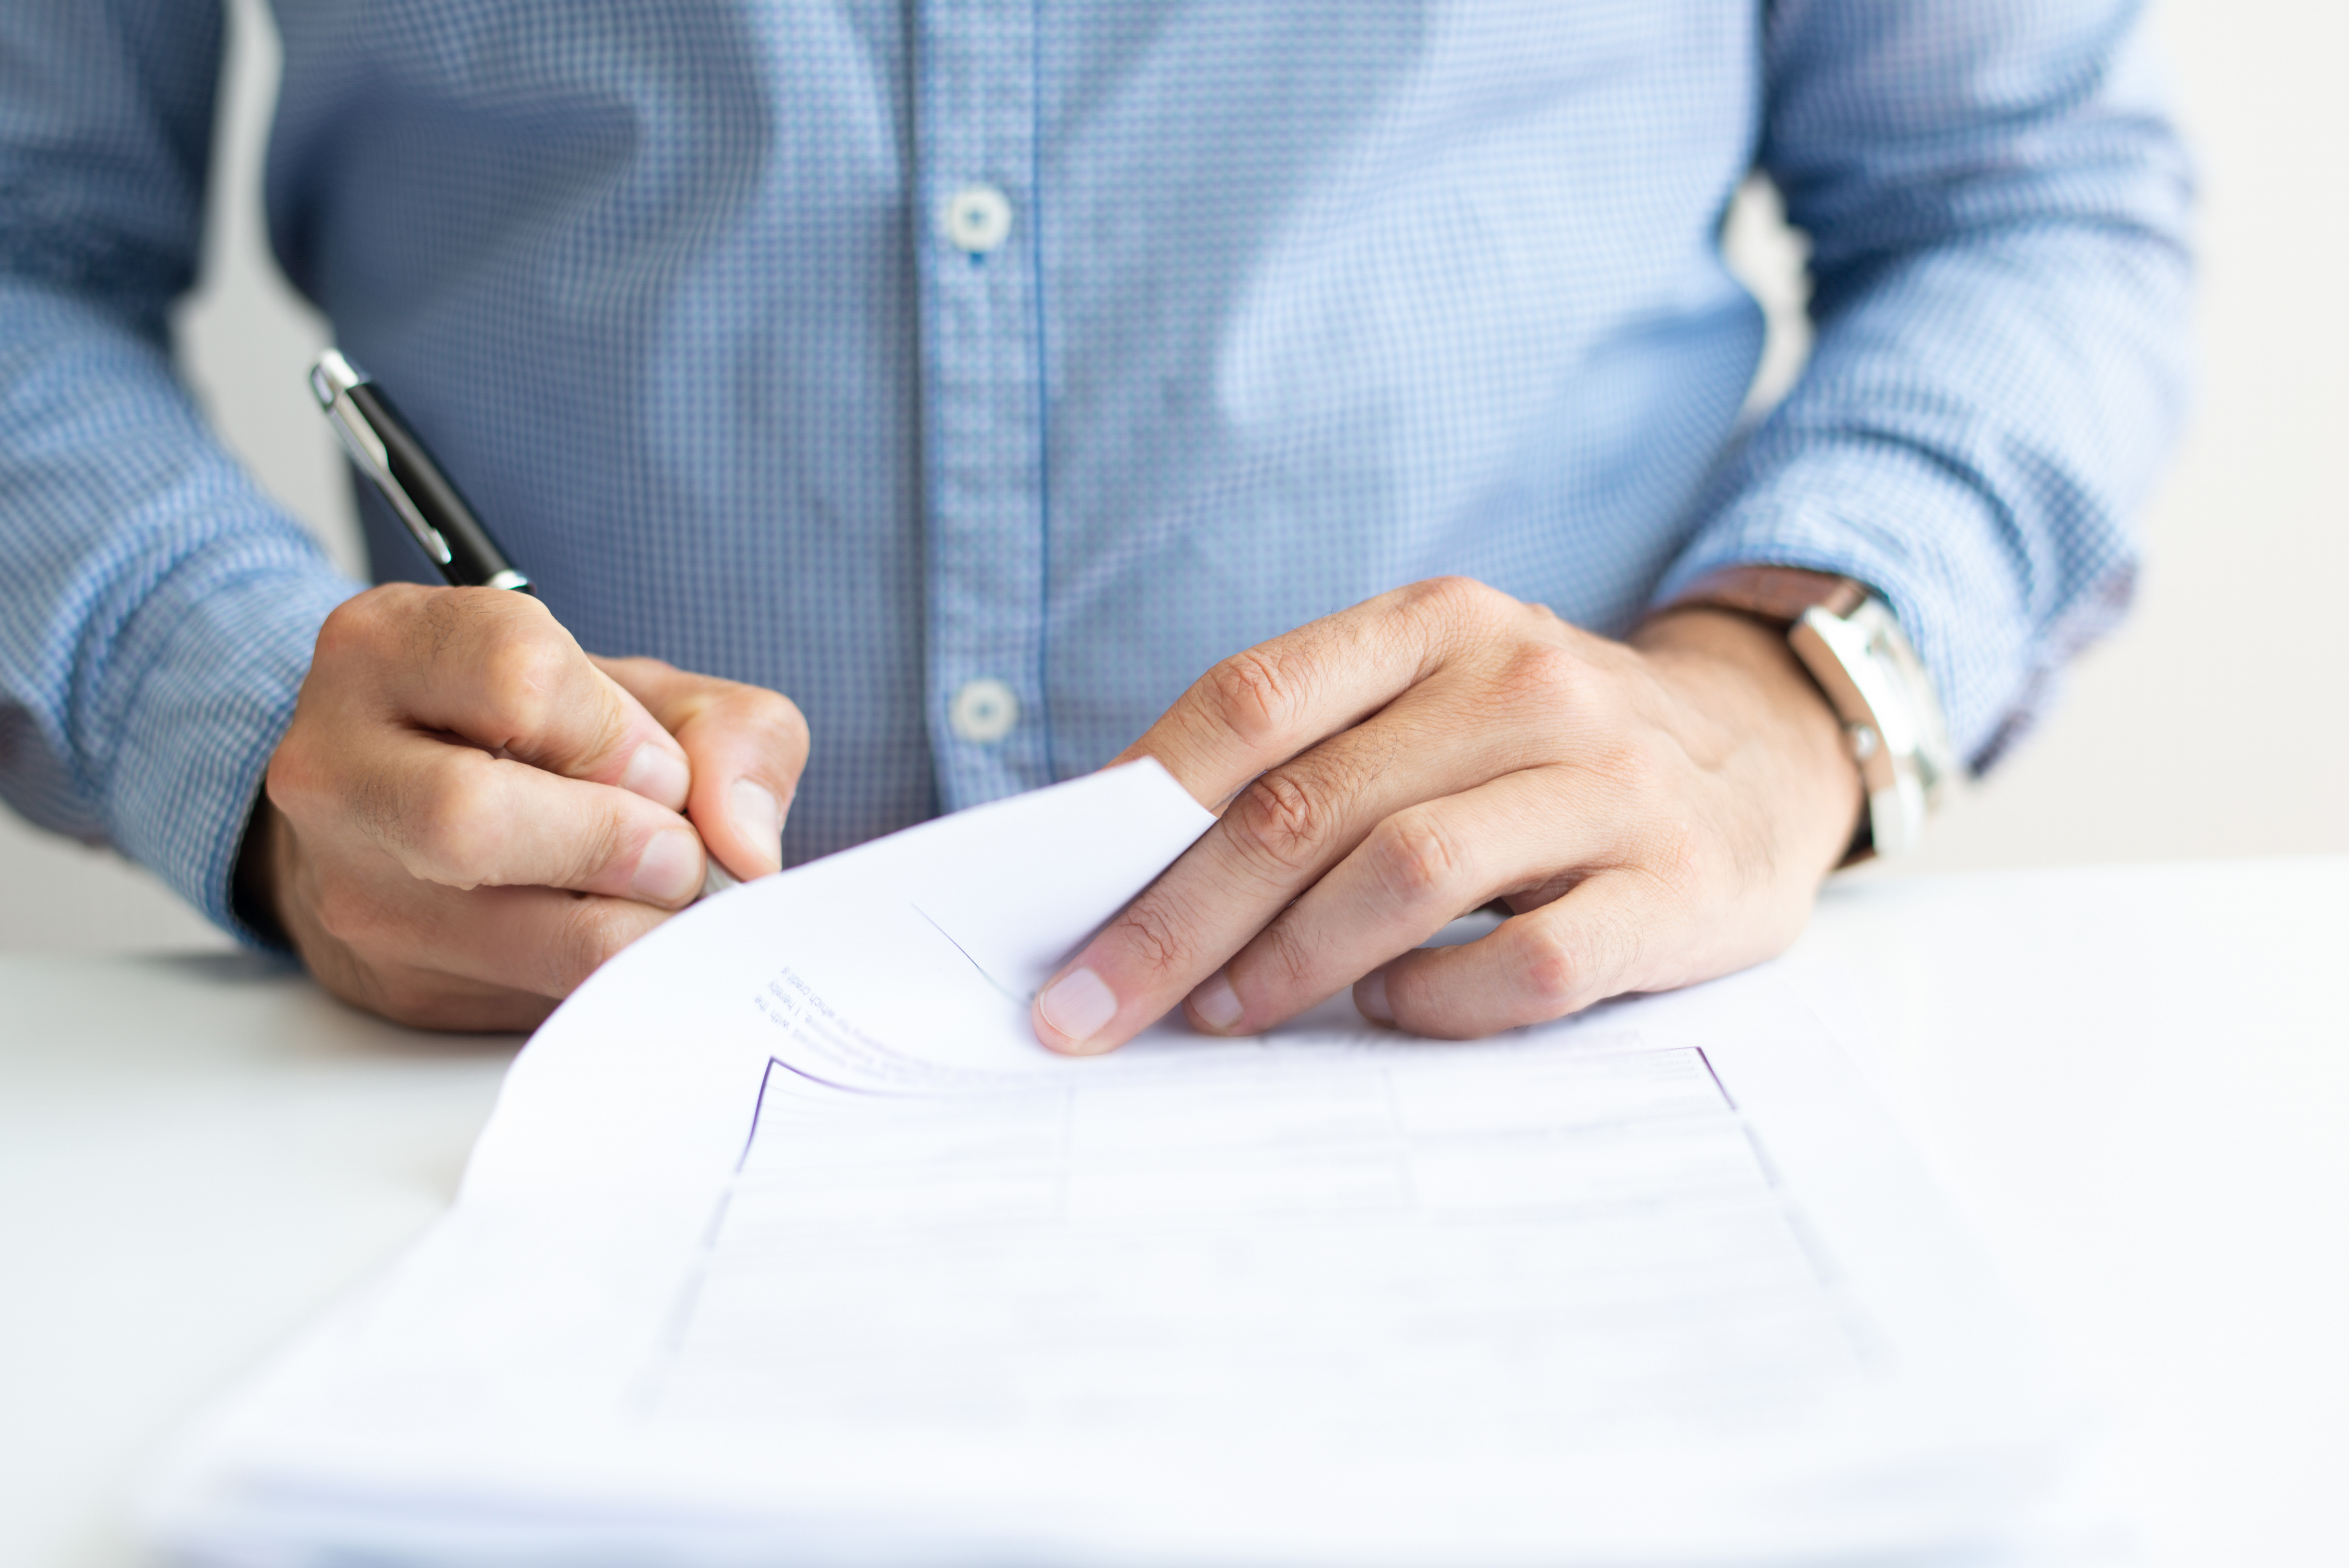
(787, 1243)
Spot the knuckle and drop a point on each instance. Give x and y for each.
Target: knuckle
(1257, 694)
(1280, 948)
(456, 622)
(361, 626)
(599, 842)
(346, 632)
(1549, 678)
(298, 774)
(1554, 971)
(603, 742)
(1416, 860)
(1451, 591)
(453, 830)
(1542, 621)
(518, 678)
(1281, 822)
(373, 804)
(773, 718)
(1457, 604)
(792, 729)
(1151, 937)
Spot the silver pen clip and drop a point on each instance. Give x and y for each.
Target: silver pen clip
(331, 380)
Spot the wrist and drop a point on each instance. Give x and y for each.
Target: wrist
(252, 892)
(1756, 697)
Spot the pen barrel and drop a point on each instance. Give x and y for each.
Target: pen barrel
(474, 558)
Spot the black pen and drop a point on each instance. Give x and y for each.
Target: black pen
(427, 501)
(389, 454)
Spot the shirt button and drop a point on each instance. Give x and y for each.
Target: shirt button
(976, 218)
(983, 711)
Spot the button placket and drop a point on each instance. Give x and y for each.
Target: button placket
(983, 446)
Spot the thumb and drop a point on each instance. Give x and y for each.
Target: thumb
(747, 746)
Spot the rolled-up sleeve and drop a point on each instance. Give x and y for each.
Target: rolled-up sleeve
(1997, 204)
(157, 610)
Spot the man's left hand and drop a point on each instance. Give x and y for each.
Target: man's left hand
(1655, 812)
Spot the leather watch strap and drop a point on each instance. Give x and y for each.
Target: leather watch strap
(1778, 595)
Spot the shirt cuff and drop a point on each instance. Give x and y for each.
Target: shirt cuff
(223, 663)
(1891, 519)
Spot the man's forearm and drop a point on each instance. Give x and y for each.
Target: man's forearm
(2002, 296)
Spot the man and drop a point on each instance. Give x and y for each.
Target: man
(978, 375)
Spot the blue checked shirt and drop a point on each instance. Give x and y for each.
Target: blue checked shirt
(873, 351)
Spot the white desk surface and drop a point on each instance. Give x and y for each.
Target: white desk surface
(2136, 1080)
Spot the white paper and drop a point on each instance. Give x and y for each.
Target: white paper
(788, 1242)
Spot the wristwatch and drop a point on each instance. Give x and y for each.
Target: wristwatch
(1853, 647)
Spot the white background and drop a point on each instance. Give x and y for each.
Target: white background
(2212, 725)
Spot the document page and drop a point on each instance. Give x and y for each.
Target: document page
(789, 1242)
(1536, 1254)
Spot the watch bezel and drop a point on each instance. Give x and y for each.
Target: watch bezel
(1877, 685)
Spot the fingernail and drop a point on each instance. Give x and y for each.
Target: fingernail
(758, 815)
(1371, 997)
(669, 870)
(1080, 1005)
(658, 775)
(1218, 1004)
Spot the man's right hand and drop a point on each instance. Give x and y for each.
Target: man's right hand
(469, 814)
